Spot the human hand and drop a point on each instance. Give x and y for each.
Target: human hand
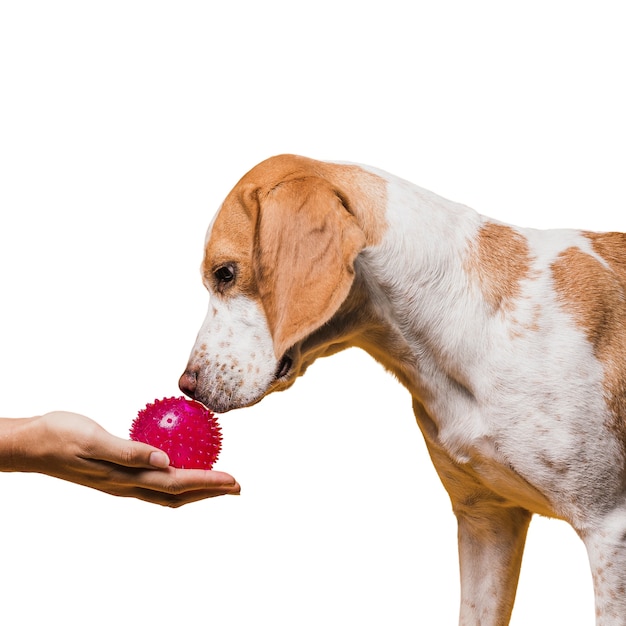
(75, 448)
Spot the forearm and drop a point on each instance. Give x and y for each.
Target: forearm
(12, 434)
(47, 444)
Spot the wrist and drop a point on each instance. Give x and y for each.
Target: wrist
(14, 436)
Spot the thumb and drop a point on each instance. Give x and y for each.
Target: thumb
(131, 453)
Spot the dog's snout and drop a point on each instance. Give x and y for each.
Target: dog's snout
(188, 382)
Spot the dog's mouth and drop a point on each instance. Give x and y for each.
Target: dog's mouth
(284, 368)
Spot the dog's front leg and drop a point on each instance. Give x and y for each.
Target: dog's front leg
(491, 532)
(606, 548)
(491, 544)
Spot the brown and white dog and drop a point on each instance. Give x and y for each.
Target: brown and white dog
(511, 341)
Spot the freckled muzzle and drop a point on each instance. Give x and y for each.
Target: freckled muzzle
(220, 390)
(232, 364)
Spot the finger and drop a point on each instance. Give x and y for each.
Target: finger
(173, 500)
(128, 453)
(173, 487)
(176, 481)
(171, 480)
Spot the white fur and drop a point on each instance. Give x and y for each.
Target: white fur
(235, 346)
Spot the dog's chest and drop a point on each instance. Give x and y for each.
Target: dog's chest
(529, 446)
(489, 466)
(470, 464)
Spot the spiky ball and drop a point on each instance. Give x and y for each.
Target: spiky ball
(184, 429)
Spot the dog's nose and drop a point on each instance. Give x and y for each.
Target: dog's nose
(187, 382)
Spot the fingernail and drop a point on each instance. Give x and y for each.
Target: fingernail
(159, 459)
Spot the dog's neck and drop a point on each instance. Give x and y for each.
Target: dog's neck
(427, 242)
(419, 265)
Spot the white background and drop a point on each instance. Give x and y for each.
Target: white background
(122, 127)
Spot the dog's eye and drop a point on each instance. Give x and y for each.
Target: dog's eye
(225, 274)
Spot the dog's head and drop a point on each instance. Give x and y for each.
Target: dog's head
(278, 264)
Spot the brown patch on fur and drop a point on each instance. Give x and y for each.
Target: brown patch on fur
(307, 244)
(612, 248)
(232, 241)
(364, 194)
(500, 260)
(596, 296)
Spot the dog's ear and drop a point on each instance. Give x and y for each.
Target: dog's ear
(307, 242)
